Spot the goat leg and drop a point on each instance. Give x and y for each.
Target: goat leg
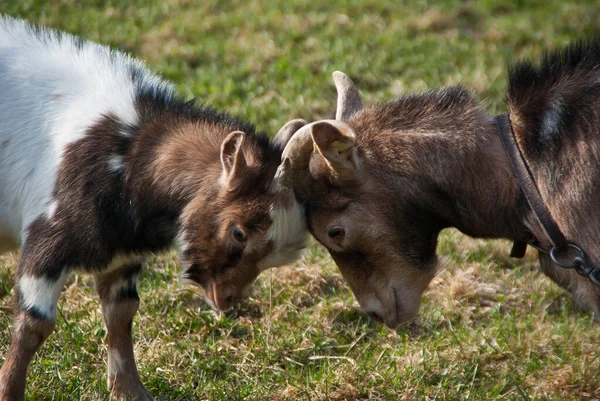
(120, 302)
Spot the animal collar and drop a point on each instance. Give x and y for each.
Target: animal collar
(559, 244)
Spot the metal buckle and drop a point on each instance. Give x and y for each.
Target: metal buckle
(594, 276)
(579, 264)
(577, 261)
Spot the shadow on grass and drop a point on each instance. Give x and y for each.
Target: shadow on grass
(343, 316)
(565, 305)
(331, 286)
(247, 308)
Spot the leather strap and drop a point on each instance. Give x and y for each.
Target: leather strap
(529, 188)
(518, 249)
(580, 262)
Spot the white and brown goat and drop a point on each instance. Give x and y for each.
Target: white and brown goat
(381, 182)
(100, 164)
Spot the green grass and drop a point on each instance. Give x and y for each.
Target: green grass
(490, 327)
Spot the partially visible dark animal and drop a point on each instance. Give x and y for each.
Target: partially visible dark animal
(381, 182)
(100, 164)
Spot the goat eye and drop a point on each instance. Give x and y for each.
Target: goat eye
(336, 232)
(239, 235)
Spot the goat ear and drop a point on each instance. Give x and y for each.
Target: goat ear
(335, 142)
(287, 132)
(233, 159)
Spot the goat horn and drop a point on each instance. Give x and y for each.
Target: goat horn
(287, 131)
(293, 171)
(349, 100)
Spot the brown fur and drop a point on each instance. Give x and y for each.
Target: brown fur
(555, 107)
(430, 161)
(105, 178)
(406, 195)
(118, 313)
(28, 335)
(188, 175)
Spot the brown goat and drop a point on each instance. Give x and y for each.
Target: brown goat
(100, 164)
(381, 182)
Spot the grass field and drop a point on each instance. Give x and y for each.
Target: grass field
(490, 327)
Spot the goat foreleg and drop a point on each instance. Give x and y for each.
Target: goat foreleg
(120, 301)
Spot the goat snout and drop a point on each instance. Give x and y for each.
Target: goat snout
(374, 309)
(223, 296)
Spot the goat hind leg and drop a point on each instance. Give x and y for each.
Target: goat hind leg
(35, 318)
(120, 301)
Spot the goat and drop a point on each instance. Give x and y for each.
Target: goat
(381, 182)
(102, 163)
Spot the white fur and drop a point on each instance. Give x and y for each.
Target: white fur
(115, 163)
(288, 234)
(181, 246)
(180, 243)
(52, 92)
(126, 133)
(52, 208)
(41, 293)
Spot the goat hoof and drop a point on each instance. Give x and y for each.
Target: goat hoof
(130, 392)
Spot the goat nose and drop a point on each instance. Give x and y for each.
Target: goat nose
(375, 316)
(225, 300)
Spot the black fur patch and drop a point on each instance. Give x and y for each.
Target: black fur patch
(555, 99)
(127, 294)
(130, 291)
(35, 313)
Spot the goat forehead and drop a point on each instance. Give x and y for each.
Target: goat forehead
(333, 199)
(348, 212)
(251, 216)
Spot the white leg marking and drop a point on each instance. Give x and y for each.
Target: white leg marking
(41, 293)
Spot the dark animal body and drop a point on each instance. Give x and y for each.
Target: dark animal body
(103, 163)
(555, 113)
(383, 181)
